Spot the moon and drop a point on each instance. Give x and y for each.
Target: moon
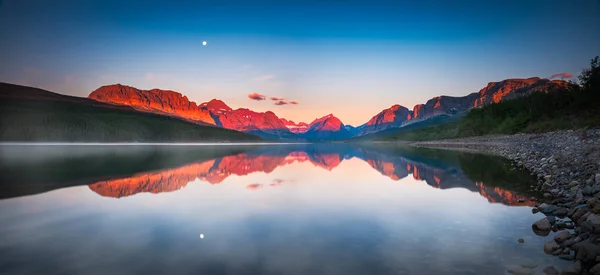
(201, 236)
(203, 43)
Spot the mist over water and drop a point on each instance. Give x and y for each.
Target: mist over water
(262, 209)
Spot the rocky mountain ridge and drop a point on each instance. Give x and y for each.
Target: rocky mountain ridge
(268, 124)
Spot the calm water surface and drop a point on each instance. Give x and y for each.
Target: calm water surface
(295, 209)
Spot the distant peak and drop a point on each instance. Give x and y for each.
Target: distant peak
(217, 105)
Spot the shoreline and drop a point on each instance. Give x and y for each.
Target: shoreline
(566, 165)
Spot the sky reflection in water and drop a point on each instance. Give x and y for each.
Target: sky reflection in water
(301, 209)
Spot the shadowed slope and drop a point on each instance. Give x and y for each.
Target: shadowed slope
(30, 114)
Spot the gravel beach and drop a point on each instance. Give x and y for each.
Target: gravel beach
(567, 167)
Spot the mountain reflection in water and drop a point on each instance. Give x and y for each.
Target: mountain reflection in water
(441, 170)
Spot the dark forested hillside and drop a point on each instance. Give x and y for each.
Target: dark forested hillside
(29, 114)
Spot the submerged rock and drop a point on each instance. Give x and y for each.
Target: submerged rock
(550, 270)
(550, 246)
(519, 270)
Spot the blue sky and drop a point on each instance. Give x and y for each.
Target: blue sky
(349, 58)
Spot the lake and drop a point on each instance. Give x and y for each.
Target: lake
(263, 209)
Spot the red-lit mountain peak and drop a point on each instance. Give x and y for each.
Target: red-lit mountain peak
(326, 123)
(155, 101)
(216, 106)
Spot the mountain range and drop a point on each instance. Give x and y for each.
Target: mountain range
(268, 125)
(215, 171)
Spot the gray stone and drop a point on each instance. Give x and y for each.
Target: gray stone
(562, 236)
(560, 212)
(583, 218)
(542, 225)
(594, 220)
(573, 183)
(550, 246)
(586, 251)
(578, 213)
(568, 242)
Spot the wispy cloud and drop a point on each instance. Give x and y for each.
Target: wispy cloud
(257, 96)
(281, 102)
(277, 98)
(293, 102)
(255, 186)
(561, 75)
(277, 182)
(264, 77)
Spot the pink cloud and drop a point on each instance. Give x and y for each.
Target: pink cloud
(278, 181)
(293, 102)
(255, 186)
(257, 96)
(281, 102)
(562, 75)
(277, 98)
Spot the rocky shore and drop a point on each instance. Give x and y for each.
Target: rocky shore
(567, 167)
